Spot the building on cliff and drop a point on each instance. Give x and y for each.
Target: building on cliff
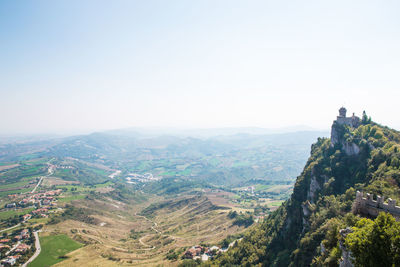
(369, 207)
(349, 148)
(352, 121)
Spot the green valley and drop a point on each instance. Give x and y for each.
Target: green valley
(124, 200)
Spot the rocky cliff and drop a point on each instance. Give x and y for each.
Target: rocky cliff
(304, 231)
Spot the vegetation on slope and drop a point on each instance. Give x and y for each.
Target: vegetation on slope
(304, 231)
(376, 243)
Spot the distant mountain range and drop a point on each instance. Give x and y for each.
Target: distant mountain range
(226, 159)
(209, 132)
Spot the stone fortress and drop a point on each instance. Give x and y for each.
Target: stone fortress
(369, 207)
(365, 206)
(352, 121)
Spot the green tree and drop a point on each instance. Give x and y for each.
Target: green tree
(365, 119)
(375, 243)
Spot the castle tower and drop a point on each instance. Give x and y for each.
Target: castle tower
(352, 121)
(342, 112)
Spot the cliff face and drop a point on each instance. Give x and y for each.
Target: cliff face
(304, 230)
(338, 139)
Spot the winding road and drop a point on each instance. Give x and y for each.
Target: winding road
(155, 230)
(38, 249)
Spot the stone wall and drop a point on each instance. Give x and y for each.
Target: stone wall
(353, 121)
(370, 207)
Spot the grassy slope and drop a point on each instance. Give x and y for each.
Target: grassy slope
(52, 248)
(186, 221)
(11, 213)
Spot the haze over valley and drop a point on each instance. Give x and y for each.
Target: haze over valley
(199, 133)
(166, 190)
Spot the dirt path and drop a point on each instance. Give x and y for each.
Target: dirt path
(12, 227)
(152, 227)
(145, 245)
(155, 230)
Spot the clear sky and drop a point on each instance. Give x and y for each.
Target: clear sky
(71, 66)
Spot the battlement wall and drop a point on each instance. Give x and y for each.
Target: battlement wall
(370, 207)
(350, 121)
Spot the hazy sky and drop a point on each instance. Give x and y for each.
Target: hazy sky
(91, 65)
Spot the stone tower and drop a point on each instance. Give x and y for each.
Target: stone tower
(352, 122)
(342, 112)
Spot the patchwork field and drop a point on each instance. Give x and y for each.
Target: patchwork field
(202, 192)
(5, 167)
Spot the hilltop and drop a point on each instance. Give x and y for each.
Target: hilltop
(306, 230)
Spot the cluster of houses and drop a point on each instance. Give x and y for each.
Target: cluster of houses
(206, 253)
(13, 247)
(143, 178)
(10, 260)
(17, 244)
(58, 166)
(3, 243)
(23, 235)
(39, 199)
(260, 217)
(249, 189)
(203, 253)
(42, 201)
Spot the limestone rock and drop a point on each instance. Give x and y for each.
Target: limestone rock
(314, 186)
(351, 149)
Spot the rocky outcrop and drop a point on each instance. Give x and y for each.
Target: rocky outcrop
(346, 260)
(314, 187)
(306, 210)
(335, 137)
(351, 149)
(337, 132)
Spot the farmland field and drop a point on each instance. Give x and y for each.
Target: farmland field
(53, 248)
(202, 192)
(11, 213)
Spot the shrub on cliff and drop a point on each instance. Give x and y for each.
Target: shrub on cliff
(375, 243)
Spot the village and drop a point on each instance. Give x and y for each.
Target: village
(143, 178)
(205, 253)
(16, 246)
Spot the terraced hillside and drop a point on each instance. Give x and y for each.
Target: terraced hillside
(138, 234)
